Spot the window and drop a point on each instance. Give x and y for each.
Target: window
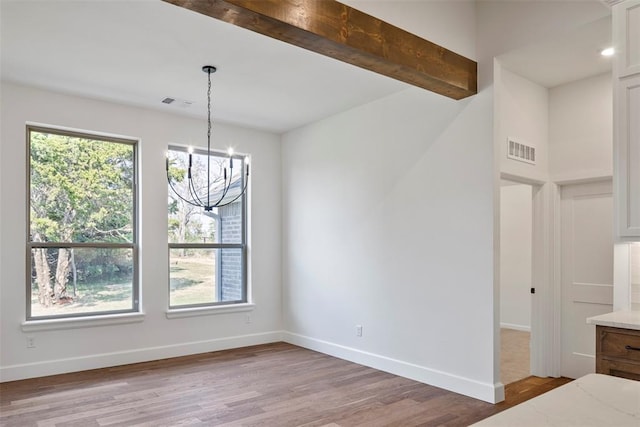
(207, 250)
(81, 243)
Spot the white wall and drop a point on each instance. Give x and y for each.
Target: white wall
(156, 337)
(571, 127)
(389, 225)
(389, 214)
(581, 129)
(522, 108)
(516, 222)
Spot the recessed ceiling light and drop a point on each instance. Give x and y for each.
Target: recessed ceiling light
(608, 51)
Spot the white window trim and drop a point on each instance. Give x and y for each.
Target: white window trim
(86, 319)
(178, 313)
(81, 322)
(223, 307)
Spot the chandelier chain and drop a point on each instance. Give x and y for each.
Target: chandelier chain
(209, 108)
(209, 138)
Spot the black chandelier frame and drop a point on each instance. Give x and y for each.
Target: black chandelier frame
(193, 197)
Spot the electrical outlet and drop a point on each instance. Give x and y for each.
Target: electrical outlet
(247, 319)
(358, 330)
(31, 342)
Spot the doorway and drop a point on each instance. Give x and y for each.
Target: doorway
(516, 243)
(571, 270)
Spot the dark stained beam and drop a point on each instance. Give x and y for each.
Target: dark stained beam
(341, 32)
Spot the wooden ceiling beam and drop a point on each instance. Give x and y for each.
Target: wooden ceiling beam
(344, 33)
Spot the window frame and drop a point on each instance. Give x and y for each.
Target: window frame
(245, 301)
(134, 245)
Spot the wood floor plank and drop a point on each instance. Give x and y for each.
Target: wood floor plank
(270, 385)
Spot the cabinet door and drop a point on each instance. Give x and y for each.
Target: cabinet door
(628, 155)
(626, 27)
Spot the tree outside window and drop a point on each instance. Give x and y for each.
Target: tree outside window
(81, 244)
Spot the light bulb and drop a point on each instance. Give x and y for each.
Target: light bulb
(608, 51)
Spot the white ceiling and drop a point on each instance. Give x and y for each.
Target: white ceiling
(565, 58)
(139, 52)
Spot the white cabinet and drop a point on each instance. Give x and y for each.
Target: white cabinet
(626, 78)
(628, 155)
(626, 34)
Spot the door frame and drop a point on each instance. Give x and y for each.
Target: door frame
(545, 303)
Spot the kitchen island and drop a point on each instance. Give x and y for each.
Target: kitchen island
(618, 343)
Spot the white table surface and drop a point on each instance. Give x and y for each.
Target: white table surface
(593, 400)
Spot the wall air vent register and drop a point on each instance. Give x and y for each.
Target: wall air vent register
(521, 152)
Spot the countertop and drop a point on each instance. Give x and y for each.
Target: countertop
(627, 319)
(593, 400)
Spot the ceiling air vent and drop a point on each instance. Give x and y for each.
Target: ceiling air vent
(521, 152)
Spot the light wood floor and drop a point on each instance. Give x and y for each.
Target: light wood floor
(514, 355)
(270, 385)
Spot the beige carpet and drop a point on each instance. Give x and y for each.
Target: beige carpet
(514, 355)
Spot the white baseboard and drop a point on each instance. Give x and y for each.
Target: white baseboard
(488, 392)
(524, 328)
(105, 360)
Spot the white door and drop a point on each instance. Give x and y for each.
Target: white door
(586, 270)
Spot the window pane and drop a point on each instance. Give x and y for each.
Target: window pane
(231, 267)
(189, 224)
(192, 276)
(81, 189)
(192, 224)
(205, 276)
(81, 280)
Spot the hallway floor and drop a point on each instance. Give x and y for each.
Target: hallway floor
(514, 355)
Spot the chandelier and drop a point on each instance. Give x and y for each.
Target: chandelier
(221, 190)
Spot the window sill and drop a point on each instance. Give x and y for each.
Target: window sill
(81, 322)
(178, 313)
